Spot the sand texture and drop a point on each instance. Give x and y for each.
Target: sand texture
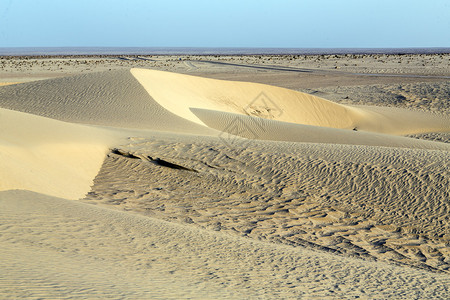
(55, 248)
(265, 177)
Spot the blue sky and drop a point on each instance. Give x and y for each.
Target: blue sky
(170, 23)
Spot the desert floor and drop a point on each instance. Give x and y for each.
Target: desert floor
(208, 177)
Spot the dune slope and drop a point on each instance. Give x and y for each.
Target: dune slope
(54, 248)
(180, 93)
(49, 156)
(231, 125)
(107, 98)
(371, 202)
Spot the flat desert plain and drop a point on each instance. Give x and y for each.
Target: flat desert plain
(216, 177)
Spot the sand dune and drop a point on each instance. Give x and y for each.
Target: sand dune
(194, 105)
(216, 189)
(180, 93)
(49, 156)
(164, 102)
(107, 98)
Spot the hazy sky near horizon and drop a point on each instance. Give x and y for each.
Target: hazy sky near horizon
(227, 23)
